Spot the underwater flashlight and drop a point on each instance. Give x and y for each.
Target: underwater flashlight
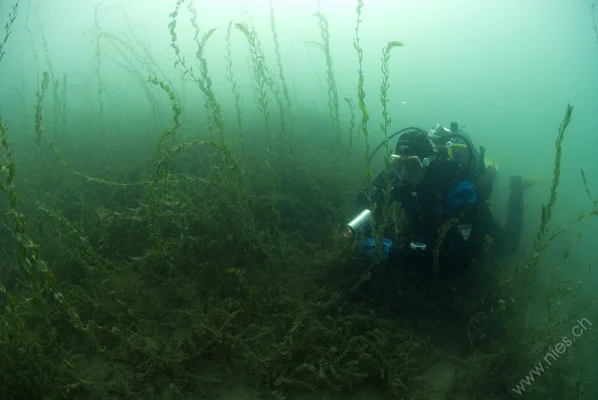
(358, 224)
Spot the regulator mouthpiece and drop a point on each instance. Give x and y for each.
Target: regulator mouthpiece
(359, 224)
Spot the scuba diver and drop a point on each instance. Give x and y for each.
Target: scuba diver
(442, 184)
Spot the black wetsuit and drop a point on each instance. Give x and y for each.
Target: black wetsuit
(472, 230)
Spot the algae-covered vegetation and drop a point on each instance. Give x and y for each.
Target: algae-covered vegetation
(195, 252)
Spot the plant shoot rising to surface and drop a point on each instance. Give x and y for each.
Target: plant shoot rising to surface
(12, 17)
(361, 97)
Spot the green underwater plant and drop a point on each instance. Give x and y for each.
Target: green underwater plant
(543, 239)
(161, 168)
(12, 17)
(385, 124)
(169, 278)
(34, 305)
(351, 106)
(288, 131)
(62, 102)
(384, 87)
(361, 100)
(584, 181)
(261, 81)
(52, 76)
(234, 87)
(98, 72)
(39, 124)
(333, 102)
(203, 80)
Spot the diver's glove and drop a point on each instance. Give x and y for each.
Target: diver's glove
(368, 248)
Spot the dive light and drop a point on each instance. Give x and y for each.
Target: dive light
(359, 224)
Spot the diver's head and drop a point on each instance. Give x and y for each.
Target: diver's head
(413, 154)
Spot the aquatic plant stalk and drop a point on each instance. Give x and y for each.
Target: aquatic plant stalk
(260, 78)
(98, 68)
(547, 209)
(351, 107)
(288, 132)
(386, 121)
(12, 17)
(233, 83)
(542, 238)
(53, 80)
(361, 101)
(585, 185)
(205, 82)
(32, 268)
(63, 102)
(333, 102)
(161, 169)
(41, 92)
(163, 155)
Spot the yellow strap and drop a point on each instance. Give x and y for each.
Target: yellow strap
(489, 162)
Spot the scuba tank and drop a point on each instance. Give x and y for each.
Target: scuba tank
(455, 145)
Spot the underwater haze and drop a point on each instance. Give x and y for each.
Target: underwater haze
(175, 176)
